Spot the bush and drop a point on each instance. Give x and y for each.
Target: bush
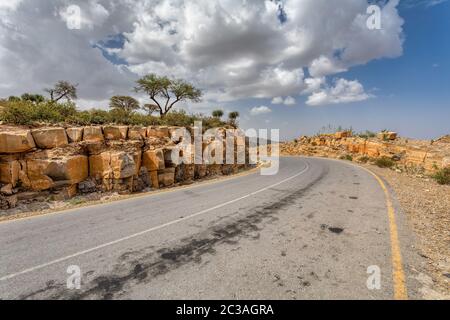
(27, 112)
(20, 112)
(17, 112)
(367, 134)
(364, 159)
(384, 162)
(442, 176)
(346, 157)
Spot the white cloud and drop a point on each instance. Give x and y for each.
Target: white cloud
(324, 66)
(256, 111)
(313, 84)
(277, 100)
(232, 49)
(9, 4)
(289, 101)
(343, 91)
(240, 49)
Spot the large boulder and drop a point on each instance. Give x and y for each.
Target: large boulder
(387, 135)
(115, 170)
(166, 177)
(373, 148)
(13, 140)
(9, 172)
(49, 138)
(158, 132)
(446, 162)
(73, 169)
(75, 134)
(113, 165)
(153, 160)
(342, 134)
(137, 133)
(93, 134)
(115, 132)
(123, 165)
(42, 174)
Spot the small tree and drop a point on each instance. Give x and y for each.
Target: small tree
(63, 89)
(150, 108)
(170, 91)
(124, 103)
(232, 117)
(13, 99)
(217, 114)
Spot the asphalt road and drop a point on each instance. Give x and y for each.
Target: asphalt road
(309, 232)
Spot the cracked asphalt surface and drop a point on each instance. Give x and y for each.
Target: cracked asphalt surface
(309, 232)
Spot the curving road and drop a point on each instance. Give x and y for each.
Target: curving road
(309, 232)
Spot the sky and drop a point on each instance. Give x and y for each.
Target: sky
(294, 65)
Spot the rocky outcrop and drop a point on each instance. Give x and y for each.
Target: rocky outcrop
(407, 153)
(66, 161)
(49, 138)
(14, 140)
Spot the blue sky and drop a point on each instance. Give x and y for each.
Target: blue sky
(315, 65)
(412, 92)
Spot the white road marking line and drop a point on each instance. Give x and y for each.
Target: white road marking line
(10, 276)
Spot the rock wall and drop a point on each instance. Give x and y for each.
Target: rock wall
(422, 155)
(62, 162)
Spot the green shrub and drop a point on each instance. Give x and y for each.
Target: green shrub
(346, 157)
(22, 112)
(442, 176)
(17, 112)
(384, 162)
(26, 112)
(98, 116)
(366, 134)
(364, 159)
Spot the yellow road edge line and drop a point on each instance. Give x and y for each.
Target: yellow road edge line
(398, 274)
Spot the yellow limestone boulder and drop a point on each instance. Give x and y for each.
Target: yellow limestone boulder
(41, 174)
(75, 134)
(137, 133)
(158, 132)
(9, 172)
(166, 177)
(49, 138)
(387, 135)
(115, 132)
(13, 140)
(113, 165)
(93, 134)
(342, 134)
(123, 165)
(153, 160)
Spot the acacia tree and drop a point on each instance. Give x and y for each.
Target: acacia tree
(63, 89)
(217, 114)
(150, 108)
(232, 117)
(124, 103)
(169, 91)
